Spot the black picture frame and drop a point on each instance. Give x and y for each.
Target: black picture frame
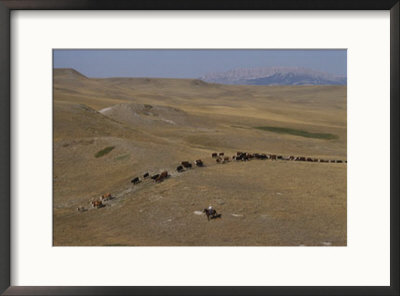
(7, 6)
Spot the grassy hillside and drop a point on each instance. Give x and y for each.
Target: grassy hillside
(154, 124)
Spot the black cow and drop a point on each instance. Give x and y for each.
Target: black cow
(135, 180)
(155, 176)
(241, 157)
(146, 175)
(221, 154)
(179, 169)
(199, 163)
(260, 156)
(186, 164)
(214, 155)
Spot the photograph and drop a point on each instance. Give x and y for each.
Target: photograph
(199, 147)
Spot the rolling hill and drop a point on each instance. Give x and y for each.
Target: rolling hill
(108, 131)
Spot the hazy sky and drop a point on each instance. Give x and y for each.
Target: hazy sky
(193, 63)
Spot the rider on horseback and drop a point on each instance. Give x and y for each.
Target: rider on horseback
(211, 211)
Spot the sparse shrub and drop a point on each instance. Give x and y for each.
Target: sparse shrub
(122, 157)
(104, 151)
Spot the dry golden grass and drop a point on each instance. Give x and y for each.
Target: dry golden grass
(262, 202)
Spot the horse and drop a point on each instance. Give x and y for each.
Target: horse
(211, 214)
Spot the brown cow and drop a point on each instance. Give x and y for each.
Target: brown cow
(106, 196)
(221, 154)
(162, 176)
(214, 155)
(97, 204)
(273, 156)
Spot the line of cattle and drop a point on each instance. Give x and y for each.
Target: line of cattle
(157, 178)
(244, 156)
(219, 158)
(164, 175)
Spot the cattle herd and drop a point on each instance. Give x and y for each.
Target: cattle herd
(244, 156)
(220, 158)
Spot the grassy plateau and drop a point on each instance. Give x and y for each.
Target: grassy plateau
(109, 131)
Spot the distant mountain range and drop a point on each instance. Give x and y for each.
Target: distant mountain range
(274, 76)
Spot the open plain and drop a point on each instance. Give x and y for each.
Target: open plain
(108, 131)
